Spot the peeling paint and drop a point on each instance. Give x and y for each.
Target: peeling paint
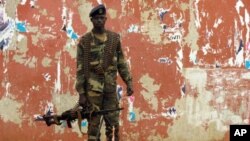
(69, 47)
(85, 7)
(10, 7)
(192, 36)
(217, 22)
(206, 123)
(46, 62)
(192, 57)
(112, 13)
(58, 79)
(151, 27)
(149, 91)
(11, 111)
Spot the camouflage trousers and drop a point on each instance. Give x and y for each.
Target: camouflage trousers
(104, 101)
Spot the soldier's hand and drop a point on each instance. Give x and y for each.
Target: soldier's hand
(130, 91)
(82, 99)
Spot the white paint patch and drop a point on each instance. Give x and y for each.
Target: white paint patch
(64, 12)
(241, 20)
(247, 21)
(217, 22)
(7, 88)
(229, 42)
(69, 22)
(20, 37)
(238, 5)
(245, 75)
(197, 18)
(197, 78)
(5, 70)
(220, 99)
(204, 14)
(58, 80)
(209, 33)
(36, 88)
(192, 56)
(206, 48)
(129, 62)
(180, 54)
(230, 62)
(64, 17)
(32, 3)
(47, 76)
(99, 1)
(248, 46)
(67, 18)
(133, 28)
(197, 112)
(22, 2)
(36, 17)
(179, 59)
(239, 60)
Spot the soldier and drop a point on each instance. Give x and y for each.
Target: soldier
(99, 58)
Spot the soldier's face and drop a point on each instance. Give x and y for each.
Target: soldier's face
(99, 20)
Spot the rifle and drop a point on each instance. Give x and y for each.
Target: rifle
(70, 116)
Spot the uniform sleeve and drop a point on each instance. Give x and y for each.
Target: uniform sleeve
(79, 69)
(123, 66)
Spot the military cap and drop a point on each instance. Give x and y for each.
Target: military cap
(98, 10)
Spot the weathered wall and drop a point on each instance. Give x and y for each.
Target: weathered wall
(190, 61)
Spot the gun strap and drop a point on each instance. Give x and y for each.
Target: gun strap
(79, 116)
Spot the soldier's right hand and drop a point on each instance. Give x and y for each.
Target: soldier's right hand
(82, 99)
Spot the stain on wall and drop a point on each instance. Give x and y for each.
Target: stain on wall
(189, 59)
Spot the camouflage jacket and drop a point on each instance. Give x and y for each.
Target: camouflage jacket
(100, 78)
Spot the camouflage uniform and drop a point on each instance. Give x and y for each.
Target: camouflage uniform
(97, 65)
